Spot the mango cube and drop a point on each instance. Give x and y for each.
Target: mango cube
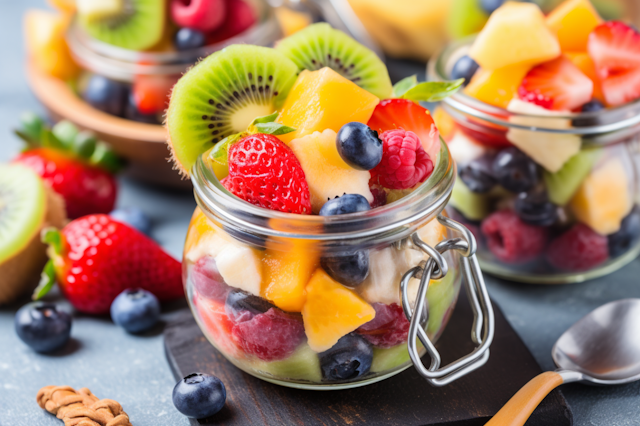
(332, 311)
(572, 22)
(322, 100)
(497, 87)
(516, 34)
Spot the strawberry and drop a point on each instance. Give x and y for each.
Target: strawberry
(151, 92)
(95, 258)
(73, 163)
(558, 85)
(391, 114)
(265, 172)
(615, 50)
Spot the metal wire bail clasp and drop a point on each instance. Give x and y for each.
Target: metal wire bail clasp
(483, 324)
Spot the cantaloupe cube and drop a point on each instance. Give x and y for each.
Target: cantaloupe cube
(328, 176)
(287, 269)
(332, 311)
(572, 22)
(584, 62)
(516, 34)
(497, 87)
(604, 198)
(322, 100)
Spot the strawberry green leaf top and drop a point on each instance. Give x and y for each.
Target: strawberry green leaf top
(429, 91)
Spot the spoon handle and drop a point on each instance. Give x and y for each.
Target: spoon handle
(518, 409)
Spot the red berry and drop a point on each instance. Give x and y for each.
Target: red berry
(510, 239)
(615, 50)
(151, 92)
(404, 161)
(389, 327)
(557, 85)
(391, 114)
(265, 172)
(578, 249)
(240, 17)
(207, 279)
(99, 258)
(379, 195)
(86, 189)
(201, 15)
(270, 336)
(217, 324)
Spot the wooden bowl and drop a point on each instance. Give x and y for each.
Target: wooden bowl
(142, 145)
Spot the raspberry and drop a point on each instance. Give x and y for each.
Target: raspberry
(379, 196)
(389, 327)
(207, 279)
(510, 239)
(404, 161)
(269, 336)
(265, 172)
(578, 249)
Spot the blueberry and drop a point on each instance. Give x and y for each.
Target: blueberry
(593, 106)
(478, 174)
(359, 146)
(199, 395)
(348, 203)
(489, 6)
(42, 326)
(186, 39)
(535, 209)
(465, 67)
(627, 236)
(133, 217)
(107, 95)
(132, 113)
(135, 310)
(515, 171)
(242, 306)
(348, 359)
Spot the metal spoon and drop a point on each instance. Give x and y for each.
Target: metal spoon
(603, 348)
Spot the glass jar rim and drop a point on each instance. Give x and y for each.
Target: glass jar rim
(123, 64)
(623, 119)
(424, 203)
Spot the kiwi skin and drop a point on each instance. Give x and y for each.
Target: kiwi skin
(319, 45)
(221, 95)
(20, 272)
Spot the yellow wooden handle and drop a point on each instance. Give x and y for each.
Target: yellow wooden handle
(521, 405)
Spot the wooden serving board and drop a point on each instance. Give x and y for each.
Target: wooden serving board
(405, 399)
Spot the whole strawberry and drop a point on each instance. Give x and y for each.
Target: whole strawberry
(95, 258)
(73, 163)
(265, 172)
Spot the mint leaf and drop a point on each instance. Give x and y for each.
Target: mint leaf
(401, 87)
(266, 119)
(274, 128)
(433, 91)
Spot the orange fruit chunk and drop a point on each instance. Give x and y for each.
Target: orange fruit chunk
(445, 123)
(497, 87)
(332, 311)
(321, 100)
(572, 22)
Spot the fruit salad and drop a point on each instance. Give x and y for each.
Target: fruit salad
(545, 175)
(123, 57)
(302, 146)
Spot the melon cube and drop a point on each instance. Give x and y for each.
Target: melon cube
(516, 34)
(604, 198)
(322, 100)
(497, 87)
(332, 311)
(240, 266)
(572, 22)
(328, 176)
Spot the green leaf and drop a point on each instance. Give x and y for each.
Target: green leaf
(47, 281)
(401, 87)
(219, 155)
(433, 91)
(49, 140)
(66, 132)
(32, 125)
(104, 157)
(52, 237)
(274, 128)
(29, 140)
(84, 144)
(266, 119)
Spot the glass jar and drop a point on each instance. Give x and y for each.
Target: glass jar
(259, 287)
(579, 220)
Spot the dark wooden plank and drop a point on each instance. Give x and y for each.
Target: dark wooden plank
(405, 399)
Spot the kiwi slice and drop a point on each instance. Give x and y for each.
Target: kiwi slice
(303, 364)
(319, 46)
(471, 205)
(130, 24)
(564, 183)
(26, 206)
(222, 95)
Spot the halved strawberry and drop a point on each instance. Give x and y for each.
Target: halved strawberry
(622, 88)
(558, 85)
(614, 48)
(404, 114)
